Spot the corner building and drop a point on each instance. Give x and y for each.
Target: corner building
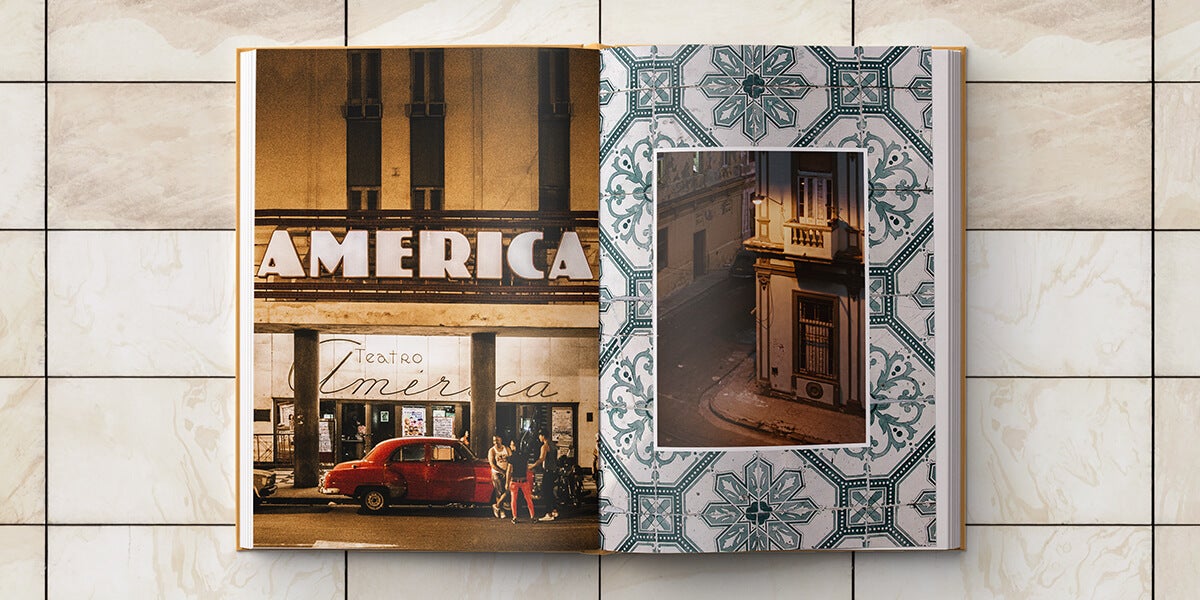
(487, 143)
(810, 275)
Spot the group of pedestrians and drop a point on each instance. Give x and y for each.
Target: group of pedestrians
(512, 468)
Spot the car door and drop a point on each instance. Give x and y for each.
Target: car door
(451, 478)
(408, 462)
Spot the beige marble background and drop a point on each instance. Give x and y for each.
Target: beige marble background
(116, 314)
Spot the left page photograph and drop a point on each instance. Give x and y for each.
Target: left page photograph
(418, 263)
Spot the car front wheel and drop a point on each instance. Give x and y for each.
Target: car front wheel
(374, 501)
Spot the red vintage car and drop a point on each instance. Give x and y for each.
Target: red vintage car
(412, 470)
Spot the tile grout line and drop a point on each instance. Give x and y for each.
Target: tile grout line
(84, 524)
(1063, 229)
(1064, 525)
(136, 82)
(1065, 377)
(1153, 235)
(1059, 81)
(853, 564)
(119, 377)
(46, 299)
(139, 229)
(852, 7)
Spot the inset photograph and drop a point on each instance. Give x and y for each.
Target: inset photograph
(761, 316)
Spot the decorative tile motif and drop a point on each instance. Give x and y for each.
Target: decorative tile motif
(754, 86)
(760, 509)
(877, 99)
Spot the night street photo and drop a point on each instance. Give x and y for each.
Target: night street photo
(761, 322)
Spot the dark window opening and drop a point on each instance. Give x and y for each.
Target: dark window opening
(427, 130)
(661, 249)
(554, 130)
(814, 334)
(364, 141)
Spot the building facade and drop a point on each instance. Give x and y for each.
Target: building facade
(702, 204)
(426, 249)
(809, 248)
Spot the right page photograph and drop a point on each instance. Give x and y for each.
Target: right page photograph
(781, 294)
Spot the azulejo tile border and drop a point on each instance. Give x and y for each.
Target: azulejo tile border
(877, 99)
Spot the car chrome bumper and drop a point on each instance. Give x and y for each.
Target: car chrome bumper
(325, 490)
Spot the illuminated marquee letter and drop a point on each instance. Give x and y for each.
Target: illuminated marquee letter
(489, 255)
(444, 254)
(390, 251)
(281, 258)
(324, 249)
(569, 260)
(520, 255)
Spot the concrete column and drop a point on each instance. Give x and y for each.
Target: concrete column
(483, 391)
(308, 417)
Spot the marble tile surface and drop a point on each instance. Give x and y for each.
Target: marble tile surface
(23, 446)
(1176, 40)
(182, 562)
(1016, 562)
(487, 22)
(141, 303)
(1049, 303)
(23, 29)
(800, 22)
(1041, 303)
(1068, 40)
(22, 304)
(22, 560)
(1049, 156)
(1176, 420)
(1176, 262)
(761, 575)
(1176, 157)
(168, 438)
(1053, 451)
(1175, 572)
(526, 576)
(22, 156)
(116, 158)
(178, 40)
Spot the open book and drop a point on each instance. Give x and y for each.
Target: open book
(698, 298)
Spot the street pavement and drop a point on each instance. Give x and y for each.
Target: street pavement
(304, 517)
(427, 528)
(706, 386)
(797, 422)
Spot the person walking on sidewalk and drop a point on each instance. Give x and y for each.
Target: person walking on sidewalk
(518, 481)
(548, 462)
(498, 459)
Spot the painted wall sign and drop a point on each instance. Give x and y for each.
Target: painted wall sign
(350, 370)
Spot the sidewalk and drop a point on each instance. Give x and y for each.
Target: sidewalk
(285, 493)
(735, 401)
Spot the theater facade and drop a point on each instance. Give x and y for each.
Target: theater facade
(425, 250)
